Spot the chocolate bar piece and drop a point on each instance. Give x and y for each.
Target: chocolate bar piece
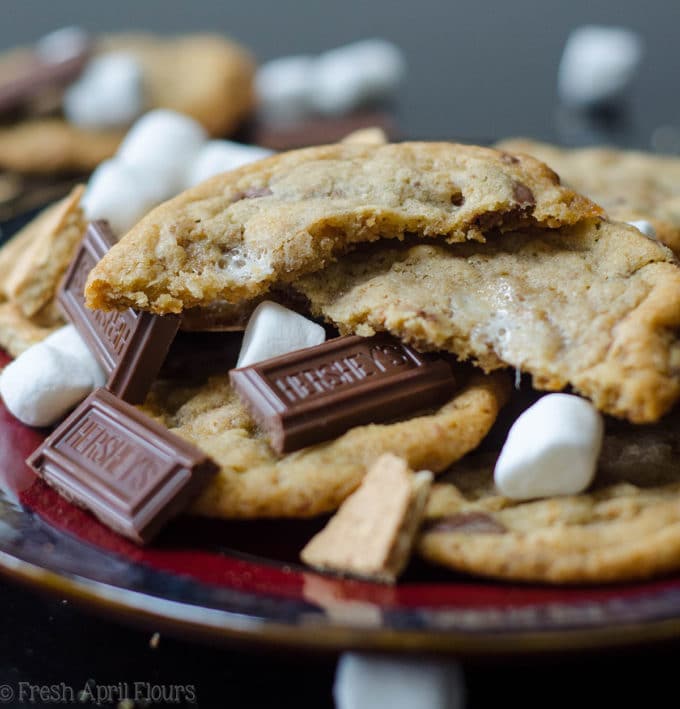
(34, 76)
(317, 393)
(316, 130)
(129, 471)
(130, 346)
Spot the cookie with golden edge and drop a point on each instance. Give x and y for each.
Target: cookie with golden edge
(256, 482)
(595, 306)
(47, 145)
(630, 185)
(204, 76)
(234, 236)
(35, 260)
(625, 527)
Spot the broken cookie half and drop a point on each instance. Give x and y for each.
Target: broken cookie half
(594, 306)
(234, 236)
(372, 534)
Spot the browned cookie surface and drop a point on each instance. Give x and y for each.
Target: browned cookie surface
(595, 306)
(237, 234)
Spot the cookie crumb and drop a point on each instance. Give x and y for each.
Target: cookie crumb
(155, 640)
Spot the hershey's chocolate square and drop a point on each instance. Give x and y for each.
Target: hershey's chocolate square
(318, 393)
(131, 346)
(125, 468)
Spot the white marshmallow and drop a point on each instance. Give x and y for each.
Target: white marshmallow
(552, 449)
(62, 44)
(67, 339)
(284, 86)
(109, 92)
(274, 330)
(368, 681)
(47, 380)
(165, 142)
(123, 194)
(597, 64)
(346, 77)
(333, 83)
(643, 226)
(218, 156)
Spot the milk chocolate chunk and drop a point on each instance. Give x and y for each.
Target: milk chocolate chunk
(317, 130)
(34, 76)
(318, 393)
(126, 469)
(130, 346)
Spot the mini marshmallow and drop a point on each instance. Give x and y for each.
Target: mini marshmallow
(165, 142)
(47, 380)
(552, 449)
(218, 156)
(108, 94)
(597, 65)
(123, 194)
(346, 77)
(284, 86)
(368, 681)
(274, 330)
(62, 44)
(644, 227)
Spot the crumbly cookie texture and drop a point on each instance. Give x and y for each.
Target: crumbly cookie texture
(627, 527)
(372, 533)
(34, 261)
(630, 185)
(32, 264)
(234, 235)
(254, 482)
(595, 306)
(204, 76)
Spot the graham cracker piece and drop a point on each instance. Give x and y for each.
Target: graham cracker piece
(372, 533)
(34, 261)
(373, 135)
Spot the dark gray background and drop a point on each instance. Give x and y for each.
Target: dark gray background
(477, 69)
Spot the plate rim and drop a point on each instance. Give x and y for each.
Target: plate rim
(200, 622)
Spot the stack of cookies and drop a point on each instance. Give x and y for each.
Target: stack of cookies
(66, 102)
(441, 274)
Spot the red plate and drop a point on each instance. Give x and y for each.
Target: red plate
(243, 580)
